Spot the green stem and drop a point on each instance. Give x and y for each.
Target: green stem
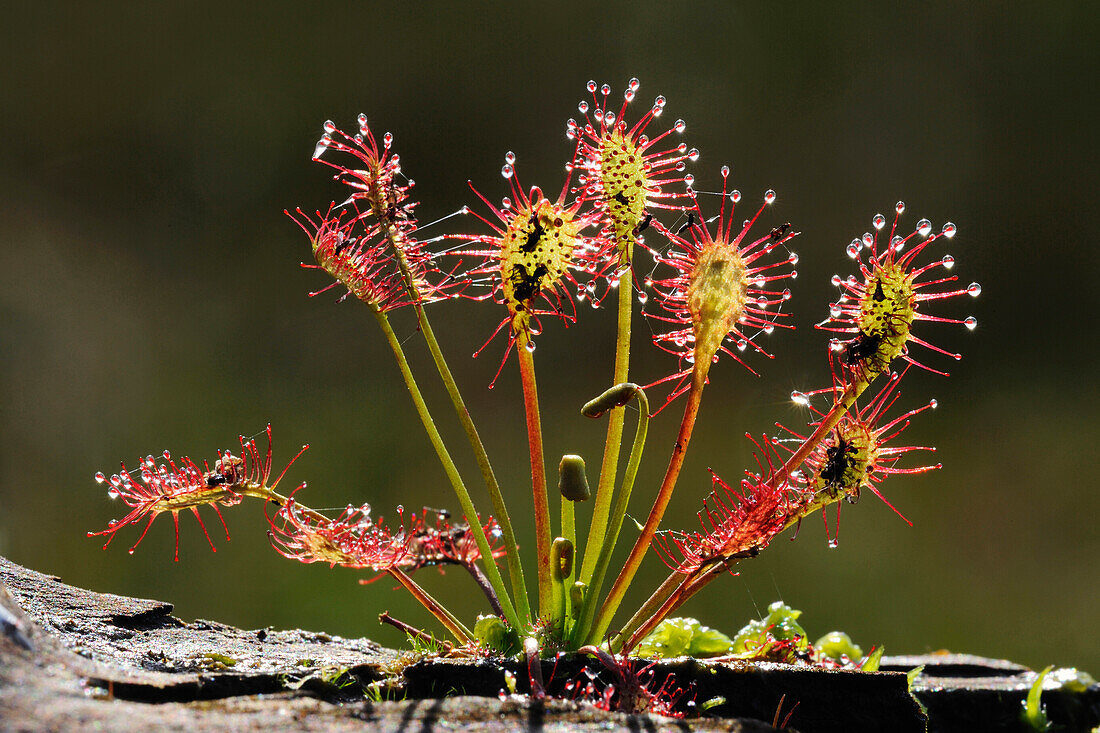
(660, 503)
(618, 514)
(512, 558)
(262, 492)
(612, 445)
(569, 532)
(538, 472)
(561, 562)
(472, 517)
(434, 607)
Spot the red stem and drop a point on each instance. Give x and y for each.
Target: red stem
(660, 503)
(538, 474)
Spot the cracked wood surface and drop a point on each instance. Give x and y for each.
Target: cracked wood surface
(72, 659)
(75, 659)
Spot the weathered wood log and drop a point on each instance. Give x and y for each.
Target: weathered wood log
(72, 658)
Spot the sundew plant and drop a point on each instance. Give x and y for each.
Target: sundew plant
(627, 233)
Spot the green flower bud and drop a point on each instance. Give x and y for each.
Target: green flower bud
(572, 482)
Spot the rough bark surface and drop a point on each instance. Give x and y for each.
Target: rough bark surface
(74, 659)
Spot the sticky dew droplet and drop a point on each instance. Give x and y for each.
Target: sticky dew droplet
(924, 227)
(769, 196)
(970, 322)
(974, 290)
(949, 230)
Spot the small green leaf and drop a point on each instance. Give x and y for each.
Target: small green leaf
(835, 645)
(678, 637)
(912, 675)
(781, 624)
(1033, 713)
(708, 642)
(873, 660)
(712, 703)
(496, 635)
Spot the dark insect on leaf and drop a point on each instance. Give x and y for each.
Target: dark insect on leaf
(526, 285)
(861, 347)
(534, 235)
(838, 459)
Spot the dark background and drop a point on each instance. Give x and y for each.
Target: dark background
(152, 297)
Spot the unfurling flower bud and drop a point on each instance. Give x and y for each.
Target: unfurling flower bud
(561, 553)
(617, 396)
(572, 482)
(576, 596)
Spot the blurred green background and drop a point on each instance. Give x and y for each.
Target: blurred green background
(152, 296)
